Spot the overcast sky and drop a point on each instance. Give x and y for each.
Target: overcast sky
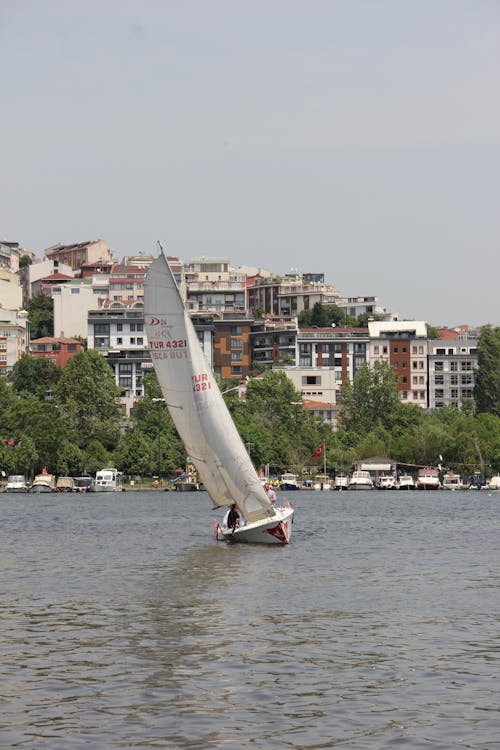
(358, 138)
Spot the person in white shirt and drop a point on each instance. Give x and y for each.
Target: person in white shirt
(271, 494)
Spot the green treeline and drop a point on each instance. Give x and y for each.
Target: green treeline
(70, 421)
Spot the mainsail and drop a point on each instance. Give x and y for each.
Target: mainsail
(194, 400)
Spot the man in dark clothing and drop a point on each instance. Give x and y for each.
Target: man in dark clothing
(233, 517)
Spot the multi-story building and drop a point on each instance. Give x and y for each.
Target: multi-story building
(11, 293)
(32, 276)
(452, 365)
(288, 295)
(325, 359)
(213, 286)
(273, 341)
(365, 305)
(14, 338)
(56, 349)
(403, 344)
(232, 350)
(80, 253)
(117, 331)
(126, 283)
(74, 300)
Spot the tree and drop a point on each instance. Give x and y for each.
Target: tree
(487, 380)
(432, 332)
(88, 398)
(25, 260)
(371, 398)
(34, 375)
(41, 316)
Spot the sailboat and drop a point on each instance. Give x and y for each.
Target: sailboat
(201, 417)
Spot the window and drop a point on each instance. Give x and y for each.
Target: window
(75, 291)
(453, 366)
(132, 340)
(466, 379)
(438, 367)
(439, 379)
(236, 344)
(236, 331)
(140, 341)
(235, 356)
(453, 379)
(311, 380)
(101, 328)
(396, 349)
(375, 349)
(119, 326)
(236, 370)
(454, 393)
(119, 341)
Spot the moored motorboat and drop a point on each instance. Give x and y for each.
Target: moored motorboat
(340, 482)
(16, 483)
(107, 480)
(360, 480)
(428, 478)
(452, 481)
(64, 484)
(322, 482)
(289, 482)
(43, 482)
(82, 484)
(406, 482)
(387, 482)
(494, 483)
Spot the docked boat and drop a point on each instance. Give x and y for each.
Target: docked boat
(16, 483)
(188, 480)
(322, 482)
(289, 482)
(360, 480)
(43, 482)
(340, 482)
(494, 483)
(82, 484)
(202, 418)
(452, 481)
(406, 482)
(387, 482)
(428, 478)
(107, 480)
(477, 481)
(64, 484)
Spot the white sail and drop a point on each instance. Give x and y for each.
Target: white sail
(194, 400)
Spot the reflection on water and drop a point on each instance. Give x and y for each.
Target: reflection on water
(124, 624)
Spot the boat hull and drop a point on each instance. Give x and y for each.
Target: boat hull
(275, 530)
(187, 487)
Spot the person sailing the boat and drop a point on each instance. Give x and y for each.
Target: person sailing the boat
(232, 518)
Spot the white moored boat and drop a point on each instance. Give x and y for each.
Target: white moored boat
(494, 483)
(406, 482)
(428, 478)
(360, 480)
(452, 481)
(201, 417)
(107, 480)
(16, 483)
(322, 482)
(387, 482)
(341, 482)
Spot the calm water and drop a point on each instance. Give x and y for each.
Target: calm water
(123, 624)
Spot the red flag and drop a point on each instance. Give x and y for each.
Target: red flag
(11, 441)
(318, 452)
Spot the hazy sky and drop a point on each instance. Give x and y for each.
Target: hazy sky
(358, 138)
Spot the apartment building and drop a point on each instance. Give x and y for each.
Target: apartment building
(14, 338)
(452, 366)
(57, 349)
(403, 344)
(273, 341)
(213, 286)
(80, 253)
(287, 296)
